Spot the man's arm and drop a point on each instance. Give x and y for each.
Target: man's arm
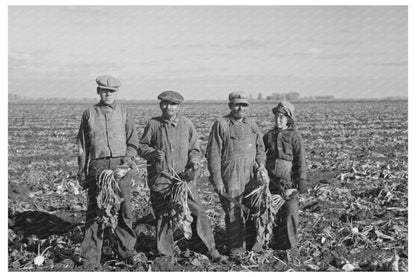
(132, 140)
(194, 152)
(214, 155)
(146, 150)
(260, 149)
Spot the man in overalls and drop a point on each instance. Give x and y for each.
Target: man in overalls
(235, 150)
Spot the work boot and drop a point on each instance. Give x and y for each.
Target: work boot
(82, 264)
(87, 266)
(237, 252)
(216, 256)
(136, 258)
(284, 256)
(257, 247)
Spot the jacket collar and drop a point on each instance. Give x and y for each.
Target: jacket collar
(235, 121)
(290, 128)
(173, 122)
(101, 104)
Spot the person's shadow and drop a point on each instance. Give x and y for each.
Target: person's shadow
(41, 224)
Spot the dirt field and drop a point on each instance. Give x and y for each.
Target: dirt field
(353, 218)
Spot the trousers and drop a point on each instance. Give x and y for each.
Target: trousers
(164, 230)
(240, 226)
(91, 246)
(285, 232)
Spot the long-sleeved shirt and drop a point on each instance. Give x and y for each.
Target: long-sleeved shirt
(106, 131)
(286, 145)
(177, 138)
(233, 148)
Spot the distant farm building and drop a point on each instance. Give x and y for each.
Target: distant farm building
(14, 97)
(286, 95)
(324, 97)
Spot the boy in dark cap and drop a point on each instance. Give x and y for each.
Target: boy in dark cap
(170, 145)
(287, 171)
(235, 150)
(107, 139)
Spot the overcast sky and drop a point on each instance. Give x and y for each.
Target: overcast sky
(205, 52)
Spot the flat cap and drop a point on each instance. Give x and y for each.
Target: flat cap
(237, 97)
(285, 107)
(108, 82)
(171, 96)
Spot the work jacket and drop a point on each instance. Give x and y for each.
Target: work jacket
(285, 154)
(106, 131)
(177, 138)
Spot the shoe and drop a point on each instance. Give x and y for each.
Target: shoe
(216, 256)
(89, 267)
(257, 247)
(284, 256)
(82, 264)
(136, 257)
(237, 252)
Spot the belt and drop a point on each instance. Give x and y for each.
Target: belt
(106, 158)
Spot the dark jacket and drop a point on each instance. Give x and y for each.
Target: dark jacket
(177, 138)
(286, 145)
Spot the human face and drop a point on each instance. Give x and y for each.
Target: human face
(238, 110)
(280, 120)
(107, 96)
(169, 109)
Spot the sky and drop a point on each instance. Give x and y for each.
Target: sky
(205, 52)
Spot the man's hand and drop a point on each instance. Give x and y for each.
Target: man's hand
(262, 175)
(218, 183)
(220, 188)
(194, 163)
(291, 194)
(262, 167)
(82, 180)
(129, 161)
(159, 155)
(302, 187)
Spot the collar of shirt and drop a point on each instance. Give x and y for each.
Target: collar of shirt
(104, 106)
(173, 122)
(277, 130)
(235, 121)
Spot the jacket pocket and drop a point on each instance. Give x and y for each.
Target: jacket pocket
(285, 148)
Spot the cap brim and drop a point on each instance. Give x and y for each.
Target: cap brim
(108, 88)
(171, 101)
(239, 101)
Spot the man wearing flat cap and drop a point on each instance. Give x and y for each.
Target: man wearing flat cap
(235, 151)
(287, 171)
(170, 146)
(107, 138)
